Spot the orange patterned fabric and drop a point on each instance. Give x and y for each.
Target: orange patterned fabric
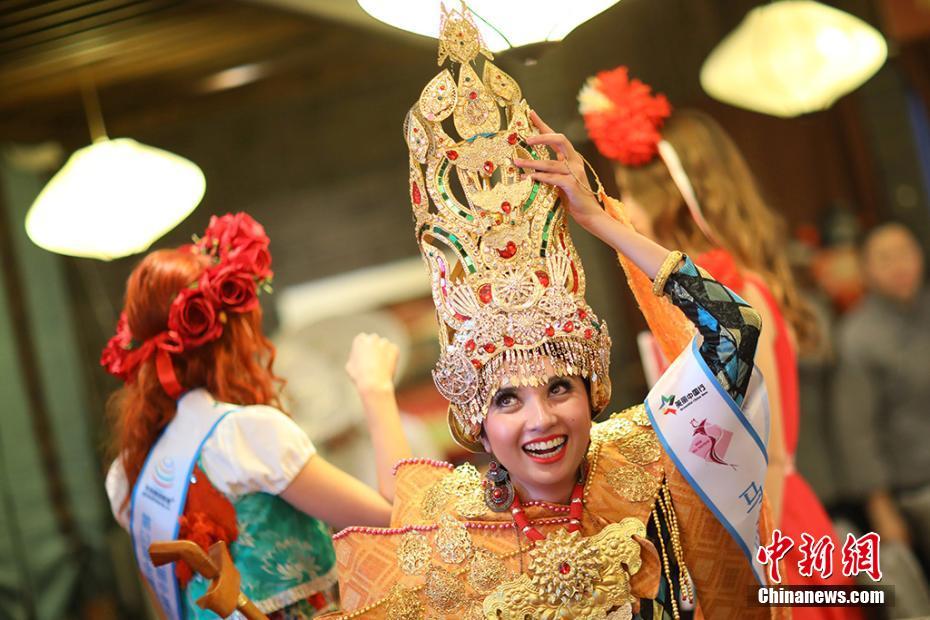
(369, 559)
(669, 325)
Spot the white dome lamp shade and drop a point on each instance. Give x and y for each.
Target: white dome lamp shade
(113, 198)
(791, 57)
(503, 24)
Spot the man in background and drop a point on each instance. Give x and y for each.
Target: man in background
(882, 391)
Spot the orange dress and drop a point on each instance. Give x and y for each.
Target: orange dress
(448, 556)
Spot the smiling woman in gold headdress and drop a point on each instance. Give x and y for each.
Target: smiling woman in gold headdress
(572, 519)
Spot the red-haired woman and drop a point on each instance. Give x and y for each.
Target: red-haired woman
(205, 452)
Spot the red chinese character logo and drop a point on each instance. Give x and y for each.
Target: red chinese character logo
(772, 554)
(860, 555)
(818, 555)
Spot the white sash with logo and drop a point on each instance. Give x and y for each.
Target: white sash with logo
(161, 490)
(719, 448)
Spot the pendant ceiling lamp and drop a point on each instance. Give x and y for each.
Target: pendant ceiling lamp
(791, 57)
(113, 198)
(503, 23)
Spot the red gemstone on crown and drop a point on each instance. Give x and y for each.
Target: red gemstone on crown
(488, 167)
(543, 278)
(476, 364)
(453, 155)
(484, 293)
(415, 193)
(550, 331)
(505, 207)
(565, 568)
(512, 138)
(497, 493)
(473, 95)
(509, 251)
(582, 315)
(568, 327)
(469, 346)
(508, 341)
(588, 334)
(490, 348)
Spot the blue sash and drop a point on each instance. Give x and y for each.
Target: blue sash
(717, 446)
(161, 490)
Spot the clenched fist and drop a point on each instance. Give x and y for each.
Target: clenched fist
(372, 363)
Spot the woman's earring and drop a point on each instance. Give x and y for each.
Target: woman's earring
(498, 490)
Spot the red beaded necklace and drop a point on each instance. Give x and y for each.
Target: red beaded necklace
(574, 513)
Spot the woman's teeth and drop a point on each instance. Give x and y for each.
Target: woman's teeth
(546, 448)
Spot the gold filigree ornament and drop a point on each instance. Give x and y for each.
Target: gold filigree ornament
(485, 570)
(633, 483)
(443, 591)
(641, 448)
(572, 577)
(507, 282)
(462, 486)
(403, 604)
(615, 428)
(452, 541)
(413, 553)
(640, 416)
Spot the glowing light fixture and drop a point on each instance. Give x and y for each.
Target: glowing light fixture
(113, 198)
(503, 23)
(791, 57)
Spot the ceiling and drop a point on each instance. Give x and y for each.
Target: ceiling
(173, 49)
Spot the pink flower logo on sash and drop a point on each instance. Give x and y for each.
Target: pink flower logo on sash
(710, 442)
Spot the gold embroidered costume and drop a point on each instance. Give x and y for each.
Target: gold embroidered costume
(448, 556)
(509, 292)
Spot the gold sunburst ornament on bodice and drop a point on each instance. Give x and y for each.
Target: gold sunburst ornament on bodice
(571, 576)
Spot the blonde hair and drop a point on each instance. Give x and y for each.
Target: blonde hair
(731, 203)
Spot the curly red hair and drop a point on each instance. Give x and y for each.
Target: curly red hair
(236, 368)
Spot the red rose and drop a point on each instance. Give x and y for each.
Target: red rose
(113, 357)
(231, 232)
(253, 258)
(231, 287)
(194, 318)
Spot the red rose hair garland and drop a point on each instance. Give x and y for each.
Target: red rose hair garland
(624, 119)
(240, 266)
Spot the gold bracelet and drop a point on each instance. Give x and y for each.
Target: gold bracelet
(669, 265)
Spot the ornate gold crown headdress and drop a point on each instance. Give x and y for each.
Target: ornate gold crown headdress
(507, 282)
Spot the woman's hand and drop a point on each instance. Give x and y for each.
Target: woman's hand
(372, 363)
(371, 366)
(566, 172)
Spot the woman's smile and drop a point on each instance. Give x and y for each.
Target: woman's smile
(549, 449)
